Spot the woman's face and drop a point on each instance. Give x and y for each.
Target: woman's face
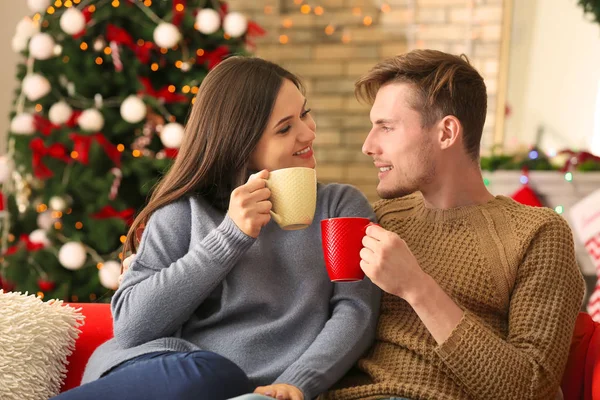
(287, 140)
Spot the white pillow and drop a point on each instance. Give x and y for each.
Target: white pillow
(35, 340)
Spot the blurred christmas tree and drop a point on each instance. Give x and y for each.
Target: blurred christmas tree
(105, 88)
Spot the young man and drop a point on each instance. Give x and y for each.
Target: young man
(482, 293)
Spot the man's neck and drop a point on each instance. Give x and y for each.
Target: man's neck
(457, 186)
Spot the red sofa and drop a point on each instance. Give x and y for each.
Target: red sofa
(580, 381)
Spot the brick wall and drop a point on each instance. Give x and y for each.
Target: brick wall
(329, 64)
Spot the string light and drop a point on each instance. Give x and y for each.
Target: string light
(154, 67)
(287, 23)
(99, 265)
(305, 9)
(11, 237)
(83, 46)
(268, 10)
(93, 296)
(367, 21)
(57, 226)
(107, 50)
(50, 10)
(346, 38)
(99, 60)
(45, 24)
(524, 179)
(115, 3)
(226, 36)
(486, 182)
(385, 7)
(76, 1)
(283, 39)
(148, 3)
(78, 225)
(38, 107)
(120, 147)
(200, 52)
(140, 42)
(179, 63)
(533, 154)
(66, 59)
(179, 7)
(329, 30)
(319, 10)
(74, 155)
(123, 238)
(68, 3)
(40, 295)
(171, 89)
(163, 50)
(195, 90)
(298, 2)
(41, 208)
(559, 209)
(569, 177)
(136, 153)
(92, 8)
(69, 211)
(58, 3)
(185, 89)
(356, 11)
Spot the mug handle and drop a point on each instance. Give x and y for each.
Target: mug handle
(276, 217)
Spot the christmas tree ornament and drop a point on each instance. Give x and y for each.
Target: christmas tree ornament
(22, 124)
(72, 255)
(26, 28)
(41, 46)
(19, 43)
(171, 135)
(45, 220)
(6, 167)
(57, 50)
(46, 285)
(109, 274)
(22, 191)
(208, 21)
(35, 86)
(60, 113)
(39, 236)
(72, 21)
(99, 44)
(91, 120)
(133, 109)
(235, 24)
(38, 6)
(166, 35)
(58, 203)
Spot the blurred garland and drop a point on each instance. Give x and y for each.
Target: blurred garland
(536, 160)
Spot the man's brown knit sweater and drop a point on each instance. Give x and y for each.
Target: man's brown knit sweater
(512, 269)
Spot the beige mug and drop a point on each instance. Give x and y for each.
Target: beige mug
(294, 197)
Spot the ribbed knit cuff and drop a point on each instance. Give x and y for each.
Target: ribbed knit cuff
(453, 343)
(304, 379)
(227, 241)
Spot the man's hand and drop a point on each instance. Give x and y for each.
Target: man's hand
(281, 391)
(389, 263)
(126, 263)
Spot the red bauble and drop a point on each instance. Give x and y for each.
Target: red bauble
(46, 286)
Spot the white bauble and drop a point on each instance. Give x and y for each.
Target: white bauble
(27, 27)
(38, 5)
(235, 24)
(60, 113)
(57, 203)
(41, 46)
(39, 236)
(22, 124)
(72, 21)
(19, 43)
(99, 44)
(91, 120)
(35, 86)
(133, 109)
(109, 274)
(45, 220)
(6, 167)
(72, 255)
(171, 135)
(208, 21)
(166, 35)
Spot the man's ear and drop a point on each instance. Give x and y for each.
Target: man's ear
(450, 129)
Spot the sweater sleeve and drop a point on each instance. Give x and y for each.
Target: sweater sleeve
(350, 330)
(544, 304)
(170, 277)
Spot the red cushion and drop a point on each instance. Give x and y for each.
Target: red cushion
(573, 378)
(97, 329)
(592, 367)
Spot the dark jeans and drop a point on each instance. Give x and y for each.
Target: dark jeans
(167, 375)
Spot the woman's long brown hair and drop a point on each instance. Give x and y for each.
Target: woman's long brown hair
(231, 111)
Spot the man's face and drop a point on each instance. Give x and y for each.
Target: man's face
(401, 148)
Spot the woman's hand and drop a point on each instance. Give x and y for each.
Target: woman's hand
(280, 391)
(249, 205)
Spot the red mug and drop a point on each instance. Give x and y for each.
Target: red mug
(342, 242)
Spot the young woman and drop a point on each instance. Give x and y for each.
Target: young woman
(220, 301)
